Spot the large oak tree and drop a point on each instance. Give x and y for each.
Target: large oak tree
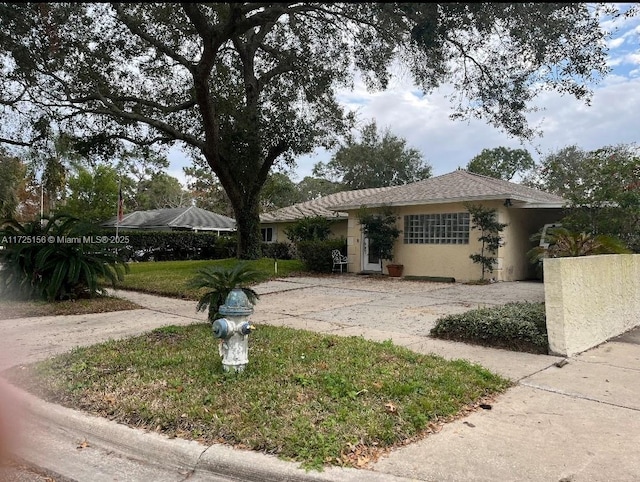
(246, 85)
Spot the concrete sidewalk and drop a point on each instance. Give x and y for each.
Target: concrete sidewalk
(580, 422)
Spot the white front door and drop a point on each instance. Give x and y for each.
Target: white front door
(370, 261)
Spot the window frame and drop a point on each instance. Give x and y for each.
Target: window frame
(265, 237)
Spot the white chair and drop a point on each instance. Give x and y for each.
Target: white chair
(338, 260)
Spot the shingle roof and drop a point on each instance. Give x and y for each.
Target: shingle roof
(322, 206)
(457, 186)
(186, 218)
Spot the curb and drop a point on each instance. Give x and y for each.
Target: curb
(178, 454)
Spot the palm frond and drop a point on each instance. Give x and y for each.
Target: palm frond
(220, 280)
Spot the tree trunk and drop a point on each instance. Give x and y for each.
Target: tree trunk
(248, 226)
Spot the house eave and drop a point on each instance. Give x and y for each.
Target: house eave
(338, 215)
(419, 202)
(539, 205)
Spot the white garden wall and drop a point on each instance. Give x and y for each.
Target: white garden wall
(590, 299)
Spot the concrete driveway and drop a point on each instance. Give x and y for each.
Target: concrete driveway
(385, 304)
(374, 307)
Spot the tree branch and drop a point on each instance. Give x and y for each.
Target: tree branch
(111, 109)
(12, 142)
(137, 30)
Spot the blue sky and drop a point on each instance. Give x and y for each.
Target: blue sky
(423, 120)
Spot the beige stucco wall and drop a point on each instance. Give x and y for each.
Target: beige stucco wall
(438, 260)
(590, 299)
(522, 223)
(441, 260)
(452, 260)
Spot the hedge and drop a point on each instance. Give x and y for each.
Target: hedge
(515, 326)
(176, 245)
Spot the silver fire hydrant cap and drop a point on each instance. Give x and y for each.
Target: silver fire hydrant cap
(236, 304)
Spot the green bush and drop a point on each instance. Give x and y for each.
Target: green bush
(309, 228)
(316, 255)
(514, 326)
(176, 245)
(276, 250)
(381, 230)
(58, 258)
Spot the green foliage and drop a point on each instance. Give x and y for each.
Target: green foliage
(316, 255)
(175, 245)
(12, 174)
(263, 89)
(374, 161)
(276, 250)
(486, 221)
(58, 259)
(565, 243)
(514, 326)
(602, 189)
(309, 228)
(219, 281)
(205, 188)
(380, 228)
(501, 162)
(93, 194)
(314, 187)
(278, 191)
(160, 191)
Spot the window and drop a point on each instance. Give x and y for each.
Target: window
(267, 235)
(448, 228)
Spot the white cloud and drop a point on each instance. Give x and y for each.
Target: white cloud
(615, 43)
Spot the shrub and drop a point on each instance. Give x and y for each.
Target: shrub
(565, 243)
(486, 220)
(60, 258)
(514, 326)
(309, 228)
(277, 250)
(176, 245)
(316, 255)
(381, 230)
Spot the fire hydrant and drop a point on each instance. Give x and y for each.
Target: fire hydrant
(233, 330)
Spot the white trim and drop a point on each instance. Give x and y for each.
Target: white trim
(421, 202)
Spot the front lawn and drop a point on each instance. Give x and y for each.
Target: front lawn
(25, 309)
(307, 397)
(170, 278)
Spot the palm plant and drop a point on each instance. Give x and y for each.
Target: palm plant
(565, 243)
(219, 281)
(55, 259)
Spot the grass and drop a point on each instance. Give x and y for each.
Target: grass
(25, 309)
(169, 278)
(316, 399)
